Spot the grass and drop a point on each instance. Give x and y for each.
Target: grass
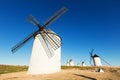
(106, 69)
(10, 68)
(114, 70)
(78, 67)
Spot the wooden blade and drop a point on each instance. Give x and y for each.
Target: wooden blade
(33, 21)
(46, 46)
(20, 44)
(53, 39)
(90, 58)
(91, 55)
(55, 16)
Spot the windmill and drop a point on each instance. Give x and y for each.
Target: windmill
(96, 59)
(71, 62)
(46, 51)
(83, 63)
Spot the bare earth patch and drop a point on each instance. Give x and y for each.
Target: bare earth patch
(69, 74)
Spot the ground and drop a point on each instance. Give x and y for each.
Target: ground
(69, 74)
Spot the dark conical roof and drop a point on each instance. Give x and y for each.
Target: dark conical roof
(95, 55)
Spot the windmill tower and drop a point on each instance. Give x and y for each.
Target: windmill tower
(83, 63)
(71, 62)
(46, 51)
(67, 64)
(96, 59)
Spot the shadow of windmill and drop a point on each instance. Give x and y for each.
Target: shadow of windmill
(90, 78)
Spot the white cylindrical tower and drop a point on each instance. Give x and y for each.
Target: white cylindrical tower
(67, 64)
(71, 62)
(96, 60)
(83, 63)
(40, 63)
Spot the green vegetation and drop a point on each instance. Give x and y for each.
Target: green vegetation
(11, 68)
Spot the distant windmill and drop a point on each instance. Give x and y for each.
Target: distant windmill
(71, 62)
(96, 59)
(83, 63)
(67, 64)
(46, 50)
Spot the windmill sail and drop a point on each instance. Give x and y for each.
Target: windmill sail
(46, 46)
(53, 39)
(20, 44)
(91, 56)
(55, 16)
(32, 20)
(48, 35)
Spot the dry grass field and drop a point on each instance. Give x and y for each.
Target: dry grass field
(67, 73)
(10, 68)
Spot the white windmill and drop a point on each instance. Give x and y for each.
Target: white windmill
(96, 59)
(71, 62)
(67, 64)
(46, 51)
(83, 63)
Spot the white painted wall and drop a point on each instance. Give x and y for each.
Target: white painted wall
(40, 63)
(97, 61)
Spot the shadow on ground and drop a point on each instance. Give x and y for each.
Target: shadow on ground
(85, 77)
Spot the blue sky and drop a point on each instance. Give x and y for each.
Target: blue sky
(87, 24)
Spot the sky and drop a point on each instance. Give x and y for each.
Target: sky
(88, 24)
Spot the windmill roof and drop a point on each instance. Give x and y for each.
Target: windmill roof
(95, 55)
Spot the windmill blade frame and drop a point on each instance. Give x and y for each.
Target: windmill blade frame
(45, 45)
(50, 37)
(24, 41)
(91, 55)
(53, 39)
(90, 58)
(33, 21)
(55, 16)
